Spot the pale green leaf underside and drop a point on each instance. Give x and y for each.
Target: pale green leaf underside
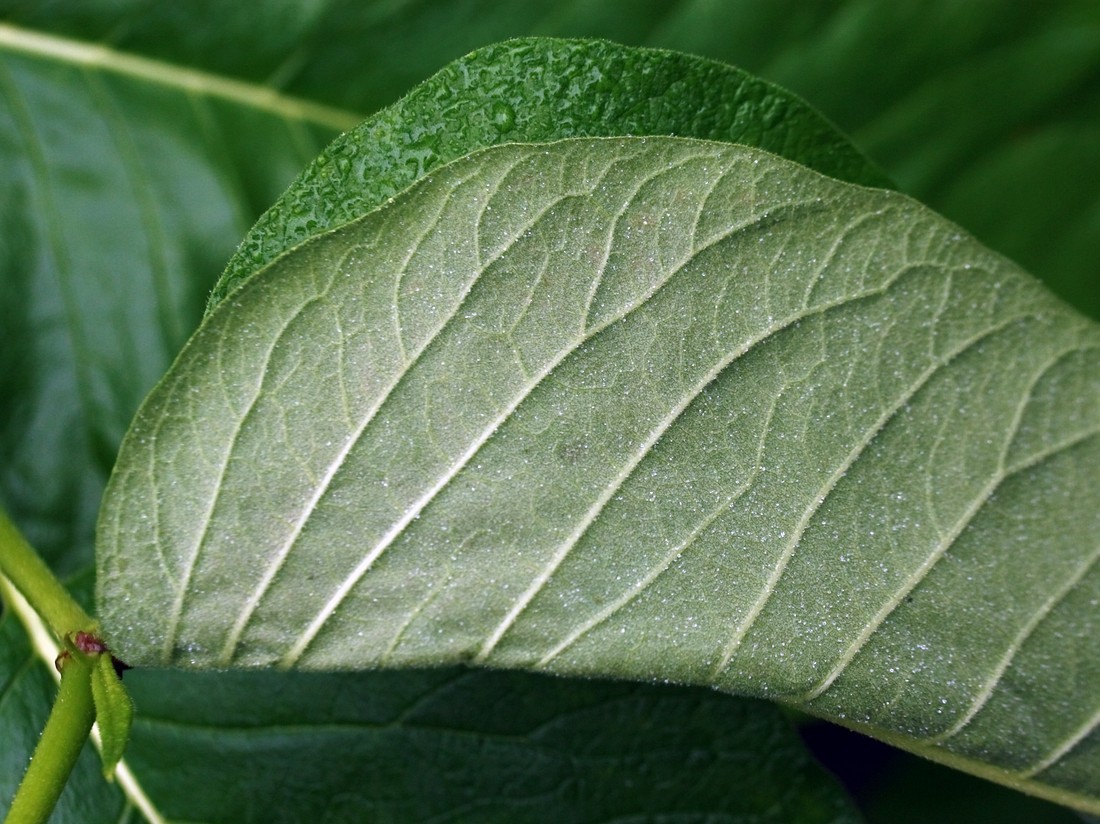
(647, 408)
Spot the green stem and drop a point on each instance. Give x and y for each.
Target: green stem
(20, 564)
(67, 729)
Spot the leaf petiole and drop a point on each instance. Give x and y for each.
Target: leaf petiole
(90, 686)
(67, 729)
(28, 573)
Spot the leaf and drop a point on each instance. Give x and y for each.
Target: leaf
(1035, 133)
(467, 746)
(987, 112)
(122, 195)
(537, 90)
(114, 712)
(126, 186)
(643, 408)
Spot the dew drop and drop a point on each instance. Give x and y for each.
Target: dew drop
(503, 117)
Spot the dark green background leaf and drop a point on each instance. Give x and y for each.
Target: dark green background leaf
(121, 197)
(466, 746)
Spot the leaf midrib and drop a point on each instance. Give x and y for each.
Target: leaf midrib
(14, 39)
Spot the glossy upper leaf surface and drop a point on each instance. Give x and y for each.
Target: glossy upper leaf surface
(647, 408)
(538, 90)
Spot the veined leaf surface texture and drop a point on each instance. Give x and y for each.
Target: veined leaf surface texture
(651, 408)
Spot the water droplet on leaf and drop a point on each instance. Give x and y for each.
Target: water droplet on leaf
(503, 117)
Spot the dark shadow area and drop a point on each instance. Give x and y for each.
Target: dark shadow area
(895, 787)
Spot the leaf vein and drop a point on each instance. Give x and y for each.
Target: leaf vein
(829, 486)
(651, 439)
(299, 647)
(952, 535)
(1017, 644)
(234, 636)
(1065, 747)
(666, 562)
(176, 614)
(418, 506)
(271, 572)
(101, 58)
